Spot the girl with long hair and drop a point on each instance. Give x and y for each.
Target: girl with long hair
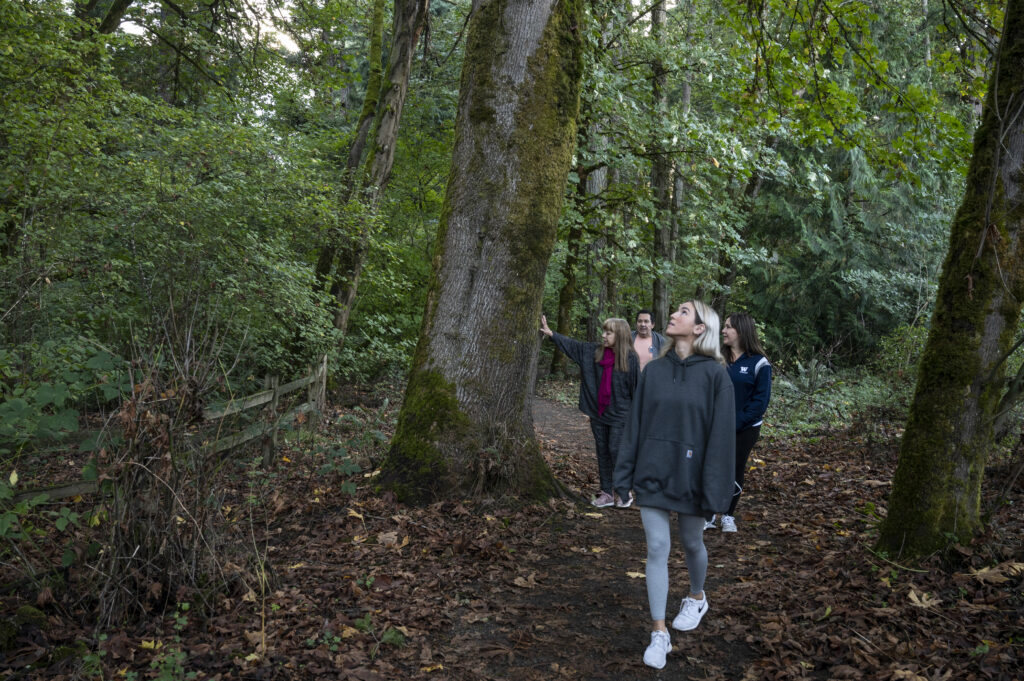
(609, 371)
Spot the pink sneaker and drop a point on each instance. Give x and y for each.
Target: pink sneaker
(603, 500)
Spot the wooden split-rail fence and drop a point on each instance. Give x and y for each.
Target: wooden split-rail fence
(266, 428)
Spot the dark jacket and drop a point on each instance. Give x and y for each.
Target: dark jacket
(657, 342)
(678, 449)
(752, 384)
(623, 382)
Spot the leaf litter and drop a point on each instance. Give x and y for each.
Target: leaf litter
(362, 587)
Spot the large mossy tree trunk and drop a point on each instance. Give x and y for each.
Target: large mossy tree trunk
(937, 486)
(465, 426)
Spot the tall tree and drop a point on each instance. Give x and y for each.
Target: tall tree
(661, 168)
(937, 486)
(465, 425)
(410, 19)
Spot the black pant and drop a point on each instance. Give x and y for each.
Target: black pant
(606, 440)
(745, 440)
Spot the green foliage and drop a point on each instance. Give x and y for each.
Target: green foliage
(44, 387)
(31, 532)
(899, 354)
(128, 220)
(338, 461)
(819, 154)
(813, 400)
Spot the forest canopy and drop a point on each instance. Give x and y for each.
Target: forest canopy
(814, 155)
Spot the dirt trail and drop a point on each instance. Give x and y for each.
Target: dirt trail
(587, 618)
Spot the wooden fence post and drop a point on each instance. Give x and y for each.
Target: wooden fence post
(270, 436)
(323, 383)
(316, 394)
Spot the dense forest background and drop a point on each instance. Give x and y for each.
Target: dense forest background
(176, 180)
(200, 199)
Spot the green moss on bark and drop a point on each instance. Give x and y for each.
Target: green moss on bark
(937, 487)
(430, 421)
(546, 137)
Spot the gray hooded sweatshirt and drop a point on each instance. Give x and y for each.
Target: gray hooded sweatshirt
(678, 449)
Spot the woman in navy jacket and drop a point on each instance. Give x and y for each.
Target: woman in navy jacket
(751, 376)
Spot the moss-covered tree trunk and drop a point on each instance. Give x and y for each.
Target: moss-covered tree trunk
(385, 101)
(937, 486)
(367, 114)
(466, 426)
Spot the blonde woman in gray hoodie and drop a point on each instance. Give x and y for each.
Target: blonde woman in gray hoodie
(677, 454)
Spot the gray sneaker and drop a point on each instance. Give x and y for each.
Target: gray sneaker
(709, 524)
(728, 523)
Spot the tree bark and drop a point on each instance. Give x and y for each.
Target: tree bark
(567, 293)
(410, 18)
(937, 485)
(465, 425)
(409, 21)
(661, 171)
(114, 15)
(367, 113)
(329, 251)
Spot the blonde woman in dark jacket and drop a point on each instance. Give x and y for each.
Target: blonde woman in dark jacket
(677, 454)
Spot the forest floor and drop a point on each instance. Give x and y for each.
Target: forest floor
(364, 588)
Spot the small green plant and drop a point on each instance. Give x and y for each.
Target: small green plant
(337, 460)
(23, 526)
(170, 666)
(364, 623)
(869, 510)
(390, 635)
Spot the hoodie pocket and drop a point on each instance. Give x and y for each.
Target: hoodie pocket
(667, 467)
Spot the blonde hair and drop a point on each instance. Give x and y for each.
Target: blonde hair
(623, 345)
(707, 343)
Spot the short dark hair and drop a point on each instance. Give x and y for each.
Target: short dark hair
(644, 311)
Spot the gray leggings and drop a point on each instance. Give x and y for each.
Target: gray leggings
(657, 527)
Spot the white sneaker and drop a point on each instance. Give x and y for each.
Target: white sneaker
(661, 645)
(690, 613)
(728, 523)
(709, 524)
